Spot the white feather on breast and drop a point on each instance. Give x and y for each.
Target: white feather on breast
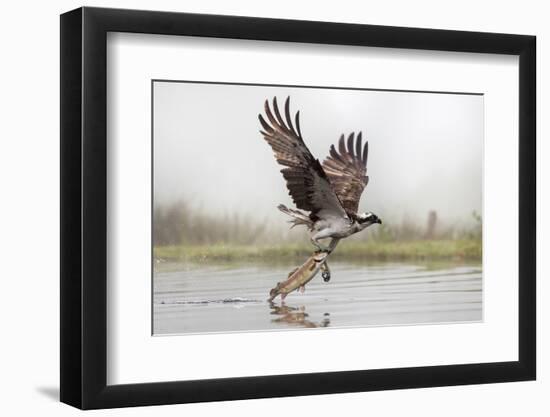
(334, 227)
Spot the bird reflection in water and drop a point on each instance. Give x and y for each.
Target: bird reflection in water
(295, 316)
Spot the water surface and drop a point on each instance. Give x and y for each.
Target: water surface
(228, 298)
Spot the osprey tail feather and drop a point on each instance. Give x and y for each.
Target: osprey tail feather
(298, 217)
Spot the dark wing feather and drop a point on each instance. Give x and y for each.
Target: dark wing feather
(347, 170)
(307, 182)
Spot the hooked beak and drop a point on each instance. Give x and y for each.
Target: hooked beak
(378, 221)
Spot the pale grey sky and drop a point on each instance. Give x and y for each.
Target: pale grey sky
(425, 149)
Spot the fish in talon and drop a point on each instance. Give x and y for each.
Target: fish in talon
(299, 277)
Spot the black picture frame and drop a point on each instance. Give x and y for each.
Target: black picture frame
(84, 207)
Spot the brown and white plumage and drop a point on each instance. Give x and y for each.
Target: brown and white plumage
(331, 191)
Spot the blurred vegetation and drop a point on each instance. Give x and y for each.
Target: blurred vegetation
(181, 233)
(347, 250)
(178, 224)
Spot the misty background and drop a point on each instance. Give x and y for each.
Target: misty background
(213, 168)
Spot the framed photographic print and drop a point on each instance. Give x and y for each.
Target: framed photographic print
(257, 207)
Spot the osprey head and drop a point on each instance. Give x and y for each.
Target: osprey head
(368, 218)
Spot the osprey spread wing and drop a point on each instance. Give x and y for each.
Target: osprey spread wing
(347, 171)
(332, 189)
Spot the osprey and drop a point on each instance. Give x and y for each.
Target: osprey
(331, 191)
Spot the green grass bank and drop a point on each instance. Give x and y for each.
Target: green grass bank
(416, 250)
